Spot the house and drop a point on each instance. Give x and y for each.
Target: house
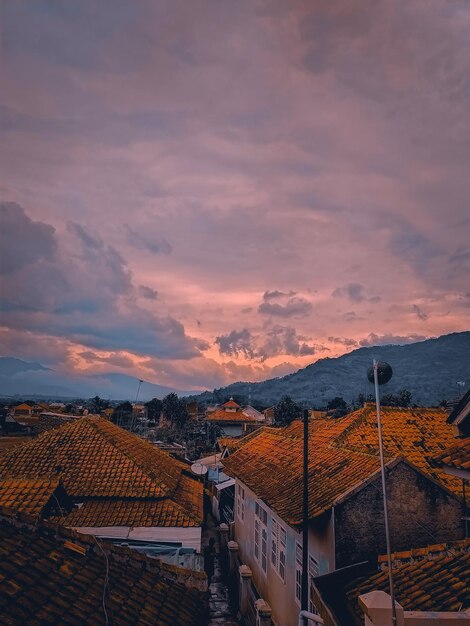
(121, 486)
(52, 575)
(345, 500)
(230, 418)
(23, 409)
(430, 579)
(252, 412)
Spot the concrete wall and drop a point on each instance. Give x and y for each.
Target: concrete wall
(421, 513)
(280, 594)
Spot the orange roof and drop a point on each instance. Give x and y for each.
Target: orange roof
(343, 454)
(231, 404)
(430, 579)
(219, 415)
(144, 513)
(6, 443)
(27, 495)
(457, 456)
(234, 443)
(55, 576)
(97, 459)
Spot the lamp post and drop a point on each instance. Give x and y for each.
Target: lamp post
(379, 374)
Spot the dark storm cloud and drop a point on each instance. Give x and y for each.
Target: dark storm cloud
(83, 293)
(293, 307)
(22, 240)
(236, 342)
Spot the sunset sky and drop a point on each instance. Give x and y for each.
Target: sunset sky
(207, 191)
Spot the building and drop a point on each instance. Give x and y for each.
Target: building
(433, 579)
(345, 500)
(460, 417)
(231, 418)
(121, 486)
(56, 576)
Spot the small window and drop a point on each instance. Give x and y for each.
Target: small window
(274, 534)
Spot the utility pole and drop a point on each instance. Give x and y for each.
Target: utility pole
(304, 590)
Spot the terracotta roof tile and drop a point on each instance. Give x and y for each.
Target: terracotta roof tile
(219, 415)
(435, 579)
(456, 456)
(60, 579)
(27, 495)
(343, 454)
(94, 458)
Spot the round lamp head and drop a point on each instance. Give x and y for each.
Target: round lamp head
(384, 373)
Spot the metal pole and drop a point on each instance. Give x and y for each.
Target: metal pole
(384, 492)
(304, 593)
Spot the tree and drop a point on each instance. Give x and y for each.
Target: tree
(338, 406)
(286, 411)
(154, 409)
(402, 399)
(122, 414)
(175, 410)
(97, 404)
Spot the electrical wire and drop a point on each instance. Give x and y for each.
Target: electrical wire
(106, 579)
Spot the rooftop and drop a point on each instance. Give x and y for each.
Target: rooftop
(94, 458)
(456, 456)
(220, 415)
(430, 579)
(52, 576)
(343, 454)
(27, 495)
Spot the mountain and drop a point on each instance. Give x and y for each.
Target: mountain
(429, 369)
(29, 380)
(10, 366)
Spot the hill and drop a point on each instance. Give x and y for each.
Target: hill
(430, 369)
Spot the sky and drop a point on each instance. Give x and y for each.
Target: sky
(201, 192)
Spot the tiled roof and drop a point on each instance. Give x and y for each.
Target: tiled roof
(219, 415)
(430, 579)
(457, 456)
(27, 495)
(143, 513)
(234, 443)
(96, 459)
(51, 576)
(271, 465)
(343, 454)
(231, 404)
(417, 435)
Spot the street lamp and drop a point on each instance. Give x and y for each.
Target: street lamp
(379, 374)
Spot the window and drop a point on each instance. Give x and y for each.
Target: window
(298, 572)
(241, 502)
(313, 572)
(282, 552)
(274, 534)
(261, 536)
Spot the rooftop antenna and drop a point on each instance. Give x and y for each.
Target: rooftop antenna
(134, 416)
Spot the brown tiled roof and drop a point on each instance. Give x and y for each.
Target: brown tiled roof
(234, 443)
(457, 456)
(48, 421)
(27, 495)
(417, 435)
(219, 415)
(51, 576)
(97, 459)
(343, 454)
(231, 404)
(430, 579)
(94, 457)
(136, 513)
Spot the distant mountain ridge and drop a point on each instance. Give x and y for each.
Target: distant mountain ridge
(430, 369)
(29, 380)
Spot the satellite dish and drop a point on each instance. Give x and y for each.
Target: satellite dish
(199, 469)
(384, 373)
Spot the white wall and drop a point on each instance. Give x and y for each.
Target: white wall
(187, 537)
(280, 594)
